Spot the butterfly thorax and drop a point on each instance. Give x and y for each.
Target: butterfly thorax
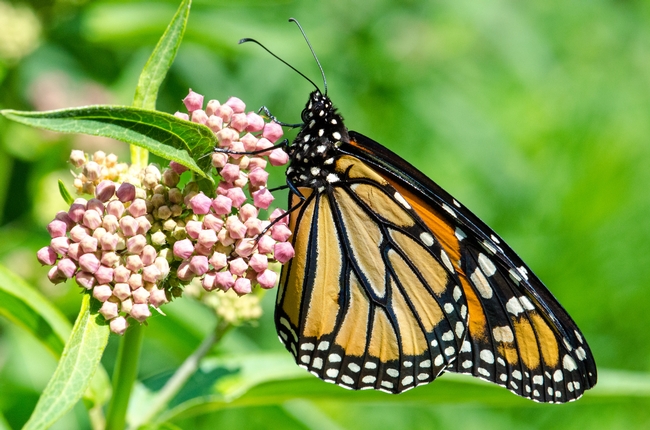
(313, 153)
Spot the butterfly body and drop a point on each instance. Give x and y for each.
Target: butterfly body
(395, 282)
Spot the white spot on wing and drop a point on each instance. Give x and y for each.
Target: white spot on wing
(487, 356)
(526, 304)
(447, 336)
(392, 372)
(569, 363)
(307, 346)
(370, 365)
(354, 367)
(426, 238)
(486, 264)
(323, 346)
(447, 262)
(438, 361)
(402, 200)
(318, 363)
(460, 234)
(481, 283)
(503, 334)
(448, 209)
(457, 292)
(460, 328)
(425, 363)
(408, 380)
(368, 379)
(332, 373)
(514, 306)
(334, 358)
(347, 380)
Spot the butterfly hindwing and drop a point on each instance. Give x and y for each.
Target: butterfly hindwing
(370, 300)
(519, 335)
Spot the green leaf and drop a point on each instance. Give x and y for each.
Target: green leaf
(78, 363)
(65, 194)
(161, 59)
(165, 135)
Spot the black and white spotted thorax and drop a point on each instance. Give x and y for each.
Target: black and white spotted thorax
(313, 152)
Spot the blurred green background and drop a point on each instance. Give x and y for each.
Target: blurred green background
(536, 115)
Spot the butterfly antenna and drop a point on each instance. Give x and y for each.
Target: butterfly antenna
(312, 52)
(247, 39)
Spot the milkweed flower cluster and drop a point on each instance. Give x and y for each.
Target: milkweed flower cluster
(142, 237)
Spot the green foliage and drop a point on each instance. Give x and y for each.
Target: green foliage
(532, 114)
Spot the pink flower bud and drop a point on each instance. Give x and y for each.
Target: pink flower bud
(126, 305)
(140, 296)
(55, 276)
(92, 171)
(283, 252)
(267, 279)
(126, 193)
(183, 249)
(122, 291)
(157, 297)
(77, 210)
(279, 213)
(74, 251)
(92, 219)
(259, 262)
(193, 101)
(257, 162)
(164, 212)
(219, 159)
(182, 115)
(115, 208)
(46, 256)
(278, 157)
(88, 263)
(212, 222)
(249, 141)
(121, 274)
(105, 190)
(109, 311)
(239, 122)
(102, 293)
(129, 226)
(136, 244)
(149, 255)
(184, 273)
(67, 268)
(170, 178)
(238, 267)
(280, 232)
(208, 281)
(96, 205)
(98, 233)
(207, 238)
(109, 242)
(266, 244)
(163, 267)
(77, 158)
(253, 227)
(104, 275)
(143, 224)
(212, 106)
(258, 177)
(237, 105)
(199, 116)
(224, 237)
(138, 208)
(223, 187)
(245, 247)
(85, 279)
(151, 273)
(78, 232)
(119, 325)
(60, 245)
(140, 312)
(63, 216)
(224, 280)
(225, 112)
(134, 263)
(57, 228)
(263, 198)
(247, 211)
(200, 204)
(255, 122)
(218, 260)
(88, 244)
(264, 144)
(222, 205)
(176, 167)
(215, 123)
(242, 286)
(237, 196)
(110, 223)
(236, 228)
(110, 259)
(272, 131)
(194, 229)
(135, 281)
(230, 172)
(199, 264)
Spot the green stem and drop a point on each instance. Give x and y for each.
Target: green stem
(124, 376)
(180, 377)
(139, 157)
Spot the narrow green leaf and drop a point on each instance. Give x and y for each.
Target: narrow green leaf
(161, 59)
(65, 194)
(165, 135)
(73, 374)
(27, 308)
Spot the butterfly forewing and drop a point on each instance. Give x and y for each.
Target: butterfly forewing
(368, 301)
(519, 336)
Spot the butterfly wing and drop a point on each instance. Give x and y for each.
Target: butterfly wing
(370, 301)
(519, 336)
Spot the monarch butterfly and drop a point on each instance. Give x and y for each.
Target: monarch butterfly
(395, 282)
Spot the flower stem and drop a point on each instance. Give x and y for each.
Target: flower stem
(124, 376)
(139, 157)
(180, 377)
